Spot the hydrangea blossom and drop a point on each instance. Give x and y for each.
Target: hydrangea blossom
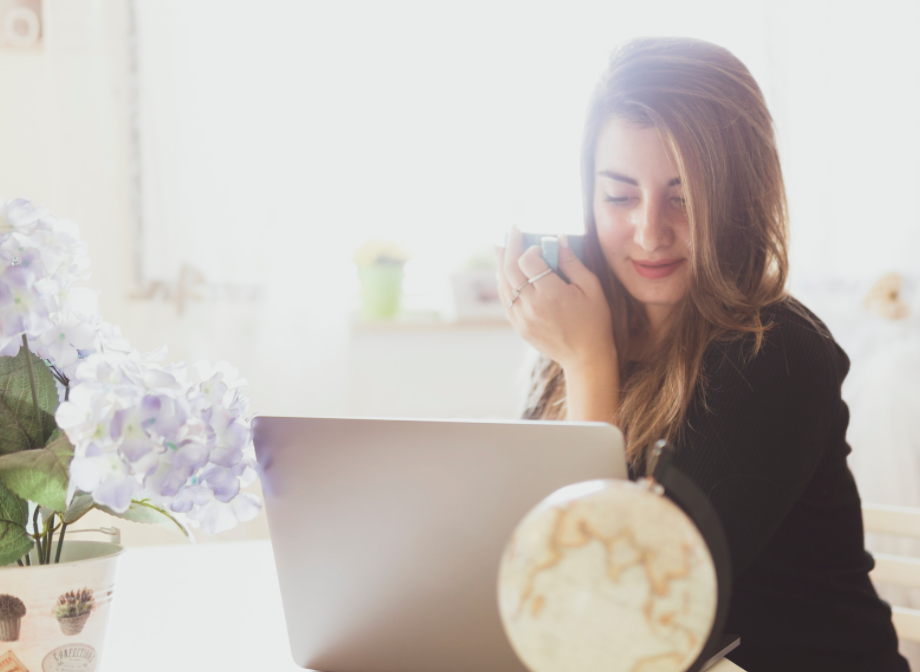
(176, 436)
(180, 438)
(41, 257)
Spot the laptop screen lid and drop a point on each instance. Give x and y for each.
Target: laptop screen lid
(388, 534)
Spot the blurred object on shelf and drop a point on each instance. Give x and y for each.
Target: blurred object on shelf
(191, 286)
(381, 269)
(475, 290)
(381, 253)
(884, 298)
(21, 24)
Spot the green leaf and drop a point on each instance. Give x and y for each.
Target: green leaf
(80, 506)
(40, 475)
(14, 513)
(145, 512)
(21, 425)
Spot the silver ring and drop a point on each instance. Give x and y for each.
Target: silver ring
(530, 281)
(542, 275)
(517, 293)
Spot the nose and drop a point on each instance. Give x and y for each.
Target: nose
(652, 228)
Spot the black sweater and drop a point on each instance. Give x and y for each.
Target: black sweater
(769, 449)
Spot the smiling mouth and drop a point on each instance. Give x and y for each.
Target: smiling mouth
(657, 269)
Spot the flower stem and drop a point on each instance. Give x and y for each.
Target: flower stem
(38, 536)
(57, 556)
(21, 563)
(25, 344)
(61, 378)
(29, 559)
(48, 539)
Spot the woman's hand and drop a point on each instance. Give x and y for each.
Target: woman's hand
(568, 322)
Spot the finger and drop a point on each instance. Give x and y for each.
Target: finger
(504, 289)
(503, 297)
(513, 251)
(532, 264)
(499, 261)
(569, 264)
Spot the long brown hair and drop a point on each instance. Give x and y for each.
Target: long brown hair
(712, 116)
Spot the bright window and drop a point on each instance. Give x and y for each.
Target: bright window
(277, 136)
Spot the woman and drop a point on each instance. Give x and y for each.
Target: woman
(678, 326)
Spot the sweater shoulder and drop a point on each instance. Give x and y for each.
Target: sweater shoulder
(797, 353)
(796, 322)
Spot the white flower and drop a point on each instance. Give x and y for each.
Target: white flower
(23, 308)
(62, 343)
(86, 416)
(107, 478)
(18, 215)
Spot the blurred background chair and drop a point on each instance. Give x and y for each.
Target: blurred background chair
(897, 571)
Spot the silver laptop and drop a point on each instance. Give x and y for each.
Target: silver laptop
(387, 534)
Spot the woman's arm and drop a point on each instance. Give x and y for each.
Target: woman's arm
(593, 390)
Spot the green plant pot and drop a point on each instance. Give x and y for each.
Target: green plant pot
(381, 290)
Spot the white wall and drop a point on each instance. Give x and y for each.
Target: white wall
(846, 124)
(846, 111)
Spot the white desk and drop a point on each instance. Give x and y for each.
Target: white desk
(189, 608)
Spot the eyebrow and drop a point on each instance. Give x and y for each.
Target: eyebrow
(628, 180)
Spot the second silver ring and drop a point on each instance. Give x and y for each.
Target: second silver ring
(542, 275)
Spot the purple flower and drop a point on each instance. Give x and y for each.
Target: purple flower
(176, 435)
(223, 482)
(193, 495)
(177, 466)
(131, 428)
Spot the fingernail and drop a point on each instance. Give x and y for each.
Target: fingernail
(564, 241)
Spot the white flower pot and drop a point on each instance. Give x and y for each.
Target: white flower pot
(39, 642)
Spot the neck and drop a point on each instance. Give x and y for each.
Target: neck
(659, 316)
(643, 345)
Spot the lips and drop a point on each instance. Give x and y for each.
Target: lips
(657, 269)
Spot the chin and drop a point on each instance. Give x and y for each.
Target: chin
(653, 293)
(652, 299)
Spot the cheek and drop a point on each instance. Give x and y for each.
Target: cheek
(614, 234)
(682, 238)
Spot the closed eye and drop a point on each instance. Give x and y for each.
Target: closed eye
(619, 200)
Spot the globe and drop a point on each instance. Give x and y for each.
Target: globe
(607, 576)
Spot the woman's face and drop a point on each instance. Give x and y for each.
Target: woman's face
(641, 220)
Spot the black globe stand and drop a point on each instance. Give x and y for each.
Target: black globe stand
(691, 500)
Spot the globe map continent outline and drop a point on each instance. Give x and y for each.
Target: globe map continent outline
(607, 576)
